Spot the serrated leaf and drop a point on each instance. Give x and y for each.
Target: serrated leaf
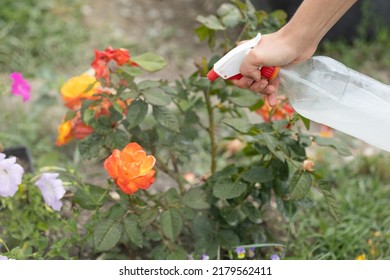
(244, 98)
(238, 124)
(150, 62)
(231, 215)
(211, 22)
(251, 212)
(166, 118)
(90, 146)
(133, 230)
(227, 189)
(136, 113)
(331, 201)
(156, 96)
(338, 145)
(196, 198)
(147, 217)
(171, 223)
(299, 185)
(258, 174)
(228, 239)
(118, 139)
(272, 144)
(172, 197)
(106, 235)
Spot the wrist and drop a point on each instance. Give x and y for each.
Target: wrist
(301, 43)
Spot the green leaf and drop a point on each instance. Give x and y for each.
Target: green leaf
(149, 61)
(136, 113)
(196, 198)
(251, 212)
(118, 139)
(131, 70)
(171, 223)
(228, 239)
(331, 201)
(156, 96)
(258, 174)
(133, 230)
(231, 215)
(272, 144)
(203, 32)
(88, 115)
(106, 235)
(226, 189)
(178, 254)
(244, 98)
(166, 118)
(147, 217)
(148, 84)
(239, 124)
(172, 197)
(70, 115)
(211, 22)
(90, 197)
(300, 185)
(90, 146)
(230, 15)
(338, 145)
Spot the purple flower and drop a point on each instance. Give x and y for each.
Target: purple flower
(275, 257)
(11, 175)
(20, 86)
(240, 252)
(51, 189)
(3, 258)
(251, 252)
(204, 257)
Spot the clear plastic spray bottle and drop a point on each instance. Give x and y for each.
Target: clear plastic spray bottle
(325, 91)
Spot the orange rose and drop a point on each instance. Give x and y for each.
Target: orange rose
(280, 111)
(64, 133)
(102, 58)
(131, 168)
(78, 88)
(74, 128)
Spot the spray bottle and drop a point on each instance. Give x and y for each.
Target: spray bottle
(325, 91)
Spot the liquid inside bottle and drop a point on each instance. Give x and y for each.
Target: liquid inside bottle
(326, 91)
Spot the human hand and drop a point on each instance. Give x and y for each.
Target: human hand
(274, 49)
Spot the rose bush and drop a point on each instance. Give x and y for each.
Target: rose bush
(215, 202)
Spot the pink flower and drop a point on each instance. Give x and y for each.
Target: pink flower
(11, 175)
(20, 86)
(51, 189)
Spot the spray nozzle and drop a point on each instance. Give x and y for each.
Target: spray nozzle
(228, 67)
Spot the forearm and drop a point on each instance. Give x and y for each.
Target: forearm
(313, 19)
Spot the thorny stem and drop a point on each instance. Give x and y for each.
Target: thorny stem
(211, 132)
(177, 172)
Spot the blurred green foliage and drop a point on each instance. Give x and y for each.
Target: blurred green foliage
(36, 34)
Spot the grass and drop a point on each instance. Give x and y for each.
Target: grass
(362, 190)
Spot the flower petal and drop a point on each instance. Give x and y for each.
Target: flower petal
(51, 189)
(147, 164)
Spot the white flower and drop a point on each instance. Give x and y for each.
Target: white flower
(51, 189)
(11, 175)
